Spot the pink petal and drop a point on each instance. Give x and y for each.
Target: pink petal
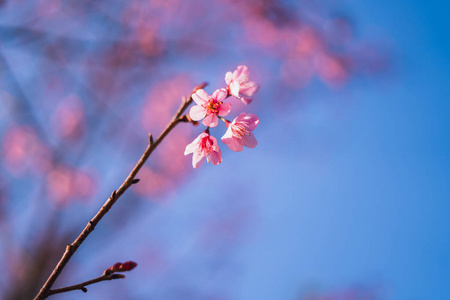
(249, 89)
(245, 100)
(242, 71)
(215, 157)
(198, 159)
(200, 97)
(215, 145)
(228, 133)
(250, 141)
(211, 121)
(202, 135)
(250, 120)
(228, 77)
(234, 88)
(224, 109)
(197, 112)
(233, 143)
(192, 146)
(220, 94)
(240, 117)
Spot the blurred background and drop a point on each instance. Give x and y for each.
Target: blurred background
(345, 197)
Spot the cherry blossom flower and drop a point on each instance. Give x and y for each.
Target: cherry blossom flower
(239, 84)
(239, 132)
(203, 146)
(209, 107)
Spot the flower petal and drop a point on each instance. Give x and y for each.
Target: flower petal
(228, 134)
(220, 94)
(245, 100)
(249, 89)
(197, 112)
(250, 141)
(215, 157)
(215, 145)
(224, 109)
(251, 121)
(200, 97)
(234, 88)
(192, 146)
(228, 77)
(241, 72)
(233, 143)
(240, 117)
(211, 121)
(198, 159)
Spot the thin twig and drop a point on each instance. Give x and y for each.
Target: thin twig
(72, 248)
(82, 286)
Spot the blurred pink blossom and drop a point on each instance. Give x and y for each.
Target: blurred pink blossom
(156, 114)
(64, 184)
(23, 151)
(332, 69)
(167, 170)
(153, 183)
(309, 42)
(69, 120)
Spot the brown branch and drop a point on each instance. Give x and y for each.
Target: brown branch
(82, 286)
(72, 248)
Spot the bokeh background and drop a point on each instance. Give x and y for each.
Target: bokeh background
(345, 197)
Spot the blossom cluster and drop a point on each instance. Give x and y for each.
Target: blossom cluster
(211, 108)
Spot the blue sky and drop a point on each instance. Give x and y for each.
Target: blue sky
(362, 195)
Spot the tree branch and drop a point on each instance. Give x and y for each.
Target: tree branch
(72, 248)
(82, 286)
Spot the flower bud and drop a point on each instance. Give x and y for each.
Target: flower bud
(128, 266)
(120, 267)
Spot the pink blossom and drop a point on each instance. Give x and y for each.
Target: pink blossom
(203, 146)
(239, 84)
(239, 132)
(209, 107)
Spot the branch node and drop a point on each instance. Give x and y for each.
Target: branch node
(150, 138)
(84, 289)
(113, 195)
(136, 180)
(91, 226)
